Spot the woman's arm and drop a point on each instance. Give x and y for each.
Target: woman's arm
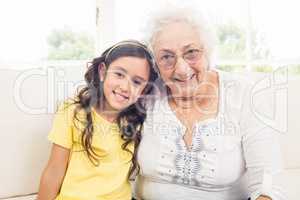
(261, 148)
(54, 173)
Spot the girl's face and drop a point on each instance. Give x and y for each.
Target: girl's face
(124, 81)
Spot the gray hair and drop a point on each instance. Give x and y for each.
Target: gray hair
(171, 14)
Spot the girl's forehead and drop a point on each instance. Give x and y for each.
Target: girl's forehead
(134, 66)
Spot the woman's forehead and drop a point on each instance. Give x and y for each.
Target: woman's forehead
(176, 35)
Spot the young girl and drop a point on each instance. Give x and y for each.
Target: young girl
(95, 136)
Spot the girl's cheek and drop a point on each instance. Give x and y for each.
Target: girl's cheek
(113, 81)
(137, 93)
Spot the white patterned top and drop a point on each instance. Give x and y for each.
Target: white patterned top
(223, 150)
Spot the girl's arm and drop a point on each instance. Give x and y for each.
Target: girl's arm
(54, 173)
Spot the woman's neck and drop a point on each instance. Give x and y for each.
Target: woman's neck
(205, 99)
(202, 106)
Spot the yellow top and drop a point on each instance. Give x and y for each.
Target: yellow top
(83, 180)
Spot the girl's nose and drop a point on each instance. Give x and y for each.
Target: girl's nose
(124, 86)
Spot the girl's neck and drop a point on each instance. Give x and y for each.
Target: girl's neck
(108, 114)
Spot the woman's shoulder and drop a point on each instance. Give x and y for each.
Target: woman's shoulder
(158, 104)
(238, 79)
(235, 93)
(158, 113)
(235, 86)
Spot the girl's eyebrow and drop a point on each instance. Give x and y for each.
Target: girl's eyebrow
(121, 69)
(140, 78)
(125, 72)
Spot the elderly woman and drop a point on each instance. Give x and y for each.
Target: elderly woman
(201, 141)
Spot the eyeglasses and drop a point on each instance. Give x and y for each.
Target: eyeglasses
(168, 59)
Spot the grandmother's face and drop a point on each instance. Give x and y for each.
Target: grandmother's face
(181, 58)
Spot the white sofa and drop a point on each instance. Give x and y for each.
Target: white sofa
(28, 101)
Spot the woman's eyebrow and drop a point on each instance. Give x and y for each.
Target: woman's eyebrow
(166, 51)
(189, 46)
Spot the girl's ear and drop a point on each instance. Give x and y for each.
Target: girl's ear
(102, 71)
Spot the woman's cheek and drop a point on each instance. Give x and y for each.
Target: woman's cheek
(175, 89)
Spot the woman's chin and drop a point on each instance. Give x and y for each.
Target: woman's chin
(187, 94)
(184, 102)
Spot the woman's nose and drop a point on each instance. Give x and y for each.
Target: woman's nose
(182, 68)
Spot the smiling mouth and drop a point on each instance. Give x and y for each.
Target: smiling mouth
(120, 96)
(189, 98)
(184, 80)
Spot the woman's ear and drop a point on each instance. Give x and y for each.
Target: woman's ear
(102, 71)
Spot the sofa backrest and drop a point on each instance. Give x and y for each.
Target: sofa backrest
(29, 100)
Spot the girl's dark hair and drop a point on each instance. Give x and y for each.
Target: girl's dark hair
(129, 120)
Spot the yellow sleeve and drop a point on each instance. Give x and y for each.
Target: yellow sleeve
(62, 128)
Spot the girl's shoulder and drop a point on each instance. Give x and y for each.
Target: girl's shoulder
(70, 109)
(67, 106)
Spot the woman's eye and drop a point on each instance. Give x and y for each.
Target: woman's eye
(167, 57)
(192, 51)
(192, 54)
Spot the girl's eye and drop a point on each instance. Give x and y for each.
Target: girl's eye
(119, 74)
(137, 83)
